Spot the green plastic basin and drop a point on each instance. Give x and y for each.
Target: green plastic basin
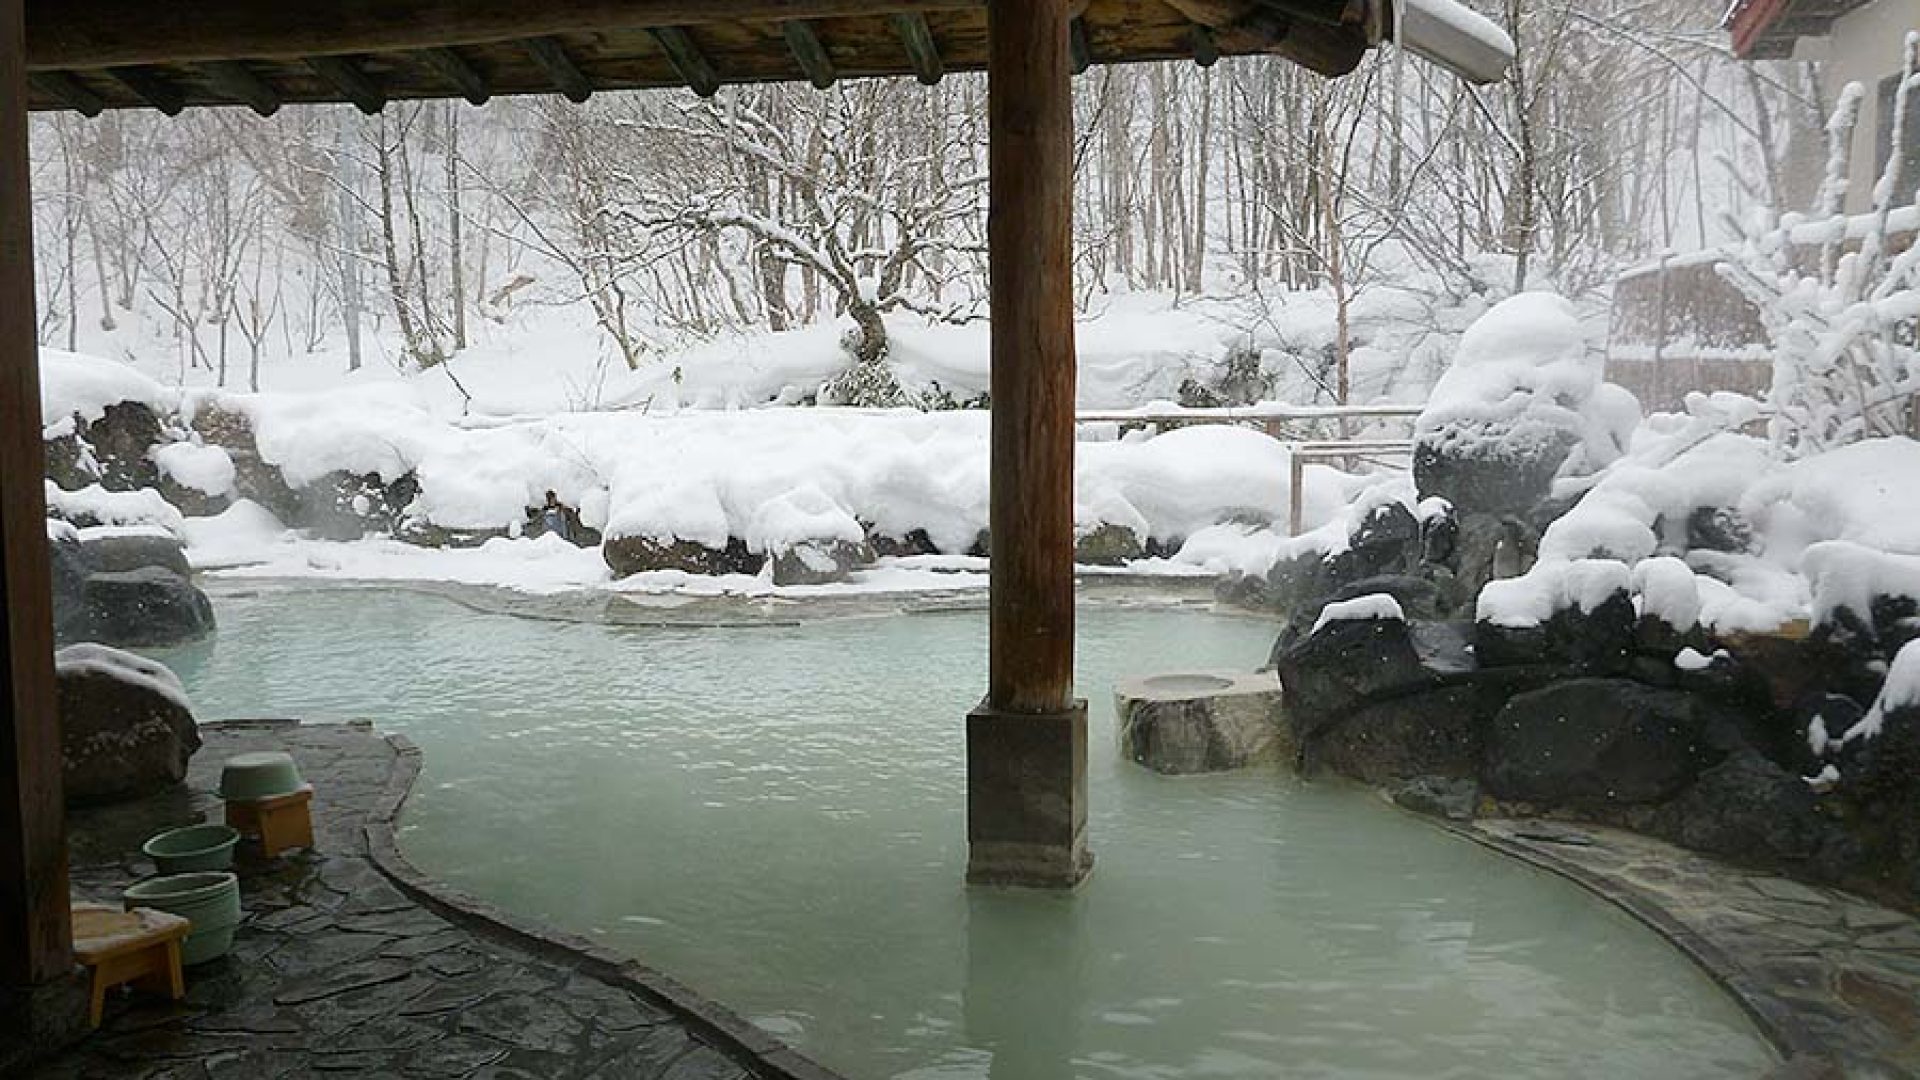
(265, 774)
(210, 901)
(196, 847)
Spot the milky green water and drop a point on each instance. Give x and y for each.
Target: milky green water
(775, 816)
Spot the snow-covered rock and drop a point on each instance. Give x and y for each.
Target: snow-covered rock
(126, 726)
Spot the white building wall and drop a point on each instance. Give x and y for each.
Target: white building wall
(1865, 47)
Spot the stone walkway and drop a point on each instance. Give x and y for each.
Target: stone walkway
(353, 963)
(1833, 980)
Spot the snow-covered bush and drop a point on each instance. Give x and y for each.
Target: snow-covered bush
(1839, 300)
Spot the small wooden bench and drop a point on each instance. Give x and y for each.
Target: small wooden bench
(139, 948)
(279, 823)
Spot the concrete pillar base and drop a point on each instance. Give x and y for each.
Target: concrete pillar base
(1027, 798)
(37, 1022)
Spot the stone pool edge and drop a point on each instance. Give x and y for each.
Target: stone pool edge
(1775, 1020)
(758, 1050)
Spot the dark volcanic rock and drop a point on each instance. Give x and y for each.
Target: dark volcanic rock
(1437, 732)
(819, 562)
(1500, 477)
(1441, 796)
(1108, 545)
(145, 607)
(123, 440)
(1386, 543)
(117, 553)
(1597, 744)
(125, 730)
(1749, 810)
(627, 555)
(70, 569)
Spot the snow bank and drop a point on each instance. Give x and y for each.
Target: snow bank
(243, 533)
(71, 384)
(1376, 606)
(206, 469)
(90, 659)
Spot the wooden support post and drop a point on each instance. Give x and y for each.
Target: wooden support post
(1026, 745)
(36, 940)
(809, 53)
(236, 80)
(453, 67)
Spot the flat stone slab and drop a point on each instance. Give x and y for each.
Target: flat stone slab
(352, 963)
(1831, 979)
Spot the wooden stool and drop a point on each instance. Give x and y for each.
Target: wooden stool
(280, 823)
(139, 947)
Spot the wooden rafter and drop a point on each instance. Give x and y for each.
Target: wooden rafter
(552, 59)
(151, 88)
(236, 80)
(917, 38)
(346, 76)
(1206, 51)
(807, 51)
(692, 65)
(69, 91)
(1082, 53)
(459, 74)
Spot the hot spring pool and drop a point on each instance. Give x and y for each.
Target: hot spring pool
(775, 816)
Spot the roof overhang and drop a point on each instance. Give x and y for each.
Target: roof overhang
(1768, 29)
(172, 54)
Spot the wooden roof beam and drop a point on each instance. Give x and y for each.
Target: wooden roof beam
(453, 68)
(151, 88)
(1080, 54)
(807, 51)
(552, 59)
(64, 35)
(236, 80)
(69, 91)
(354, 84)
(914, 33)
(692, 65)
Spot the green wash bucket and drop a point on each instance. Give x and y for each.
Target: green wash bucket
(194, 848)
(210, 901)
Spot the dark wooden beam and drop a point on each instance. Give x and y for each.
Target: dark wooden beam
(914, 34)
(68, 91)
(354, 84)
(453, 67)
(1030, 285)
(809, 53)
(552, 60)
(151, 88)
(687, 59)
(236, 80)
(70, 35)
(1077, 44)
(35, 935)
(1206, 51)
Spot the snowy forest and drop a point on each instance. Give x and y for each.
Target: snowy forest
(217, 245)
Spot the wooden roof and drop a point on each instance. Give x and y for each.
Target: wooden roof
(171, 54)
(1767, 29)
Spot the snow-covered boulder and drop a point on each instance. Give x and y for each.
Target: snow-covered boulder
(117, 549)
(126, 726)
(1523, 401)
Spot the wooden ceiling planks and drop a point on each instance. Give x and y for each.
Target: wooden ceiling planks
(245, 58)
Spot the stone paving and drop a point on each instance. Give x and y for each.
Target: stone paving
(1833, 980)
(351, 963)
